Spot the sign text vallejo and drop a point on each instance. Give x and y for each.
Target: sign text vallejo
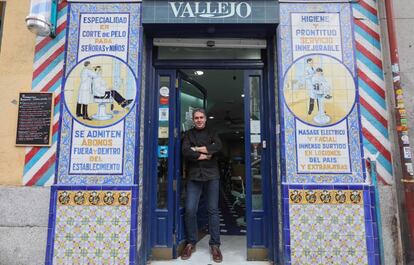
(210, 9)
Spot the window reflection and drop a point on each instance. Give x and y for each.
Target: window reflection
(162, 148)
(255, 143)
(179, 53)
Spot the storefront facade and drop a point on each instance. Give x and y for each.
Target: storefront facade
(314, 108)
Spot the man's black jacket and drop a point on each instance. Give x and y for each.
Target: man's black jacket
(201, 170)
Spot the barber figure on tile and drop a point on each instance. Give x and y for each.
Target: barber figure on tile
(321, 90)
(85, 90)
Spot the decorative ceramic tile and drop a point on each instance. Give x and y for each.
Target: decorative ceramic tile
(326, 197)
(327, 227)
(293, 160)
(286, 33)
(132, 57)
(92, 227)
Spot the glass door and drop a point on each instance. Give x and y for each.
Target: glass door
(189, 96)
(176, 98)
(163, 165)
(255, 157)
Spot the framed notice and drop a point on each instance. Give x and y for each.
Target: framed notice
(34, 121)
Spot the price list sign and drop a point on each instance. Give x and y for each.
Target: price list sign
(34, 122)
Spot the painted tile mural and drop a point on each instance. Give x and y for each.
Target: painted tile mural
(329, 216)
(327, 227)
(92, 227)
(93, 212)
(101, 89)
(321, 130)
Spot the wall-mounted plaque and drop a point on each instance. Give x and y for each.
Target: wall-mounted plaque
(34, 121)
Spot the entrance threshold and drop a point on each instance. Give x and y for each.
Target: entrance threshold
(232, 247)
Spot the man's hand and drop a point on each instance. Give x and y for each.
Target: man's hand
(203, 157)
(202, 149)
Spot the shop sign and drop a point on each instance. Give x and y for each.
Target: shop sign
(96, 150)
(316, 33)
(210, 11)
(322, 149)
(103, 33)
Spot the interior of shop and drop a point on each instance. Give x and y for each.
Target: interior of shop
(220, 92)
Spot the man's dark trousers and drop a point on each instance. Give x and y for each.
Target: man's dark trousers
(210, 188)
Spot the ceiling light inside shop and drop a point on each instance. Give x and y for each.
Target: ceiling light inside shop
(198, 72)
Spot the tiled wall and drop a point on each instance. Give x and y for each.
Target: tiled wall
(328, 215)
(92, 226)
(329, 226)
(93, 212)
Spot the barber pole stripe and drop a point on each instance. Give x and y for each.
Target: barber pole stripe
(40, 162)
(374, 114)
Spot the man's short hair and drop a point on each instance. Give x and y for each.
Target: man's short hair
(199, 110)
(86, 63)
(309, 60)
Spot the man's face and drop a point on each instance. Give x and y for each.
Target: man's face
(199, 120)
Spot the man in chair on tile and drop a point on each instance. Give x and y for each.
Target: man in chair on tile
(101, 91)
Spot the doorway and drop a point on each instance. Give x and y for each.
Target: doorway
(234, 96)
(221, 93)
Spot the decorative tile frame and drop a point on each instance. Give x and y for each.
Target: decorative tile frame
(288, 125)
(90, 223)
(93, 218)
(330, 225)
(101, 219)
(317, 207)
(131, 128)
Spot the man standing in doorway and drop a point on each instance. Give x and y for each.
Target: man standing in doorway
(199, 148)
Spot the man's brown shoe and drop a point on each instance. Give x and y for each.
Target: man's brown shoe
(187, 251)
(216, 253)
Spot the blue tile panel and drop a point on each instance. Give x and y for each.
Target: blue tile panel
(95, 167)
(92, 225)
(329, 224)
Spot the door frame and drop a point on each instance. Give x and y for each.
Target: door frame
(260, 251)
(271, 198)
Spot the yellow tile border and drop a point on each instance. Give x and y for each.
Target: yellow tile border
(94, 198)
(325, 197)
